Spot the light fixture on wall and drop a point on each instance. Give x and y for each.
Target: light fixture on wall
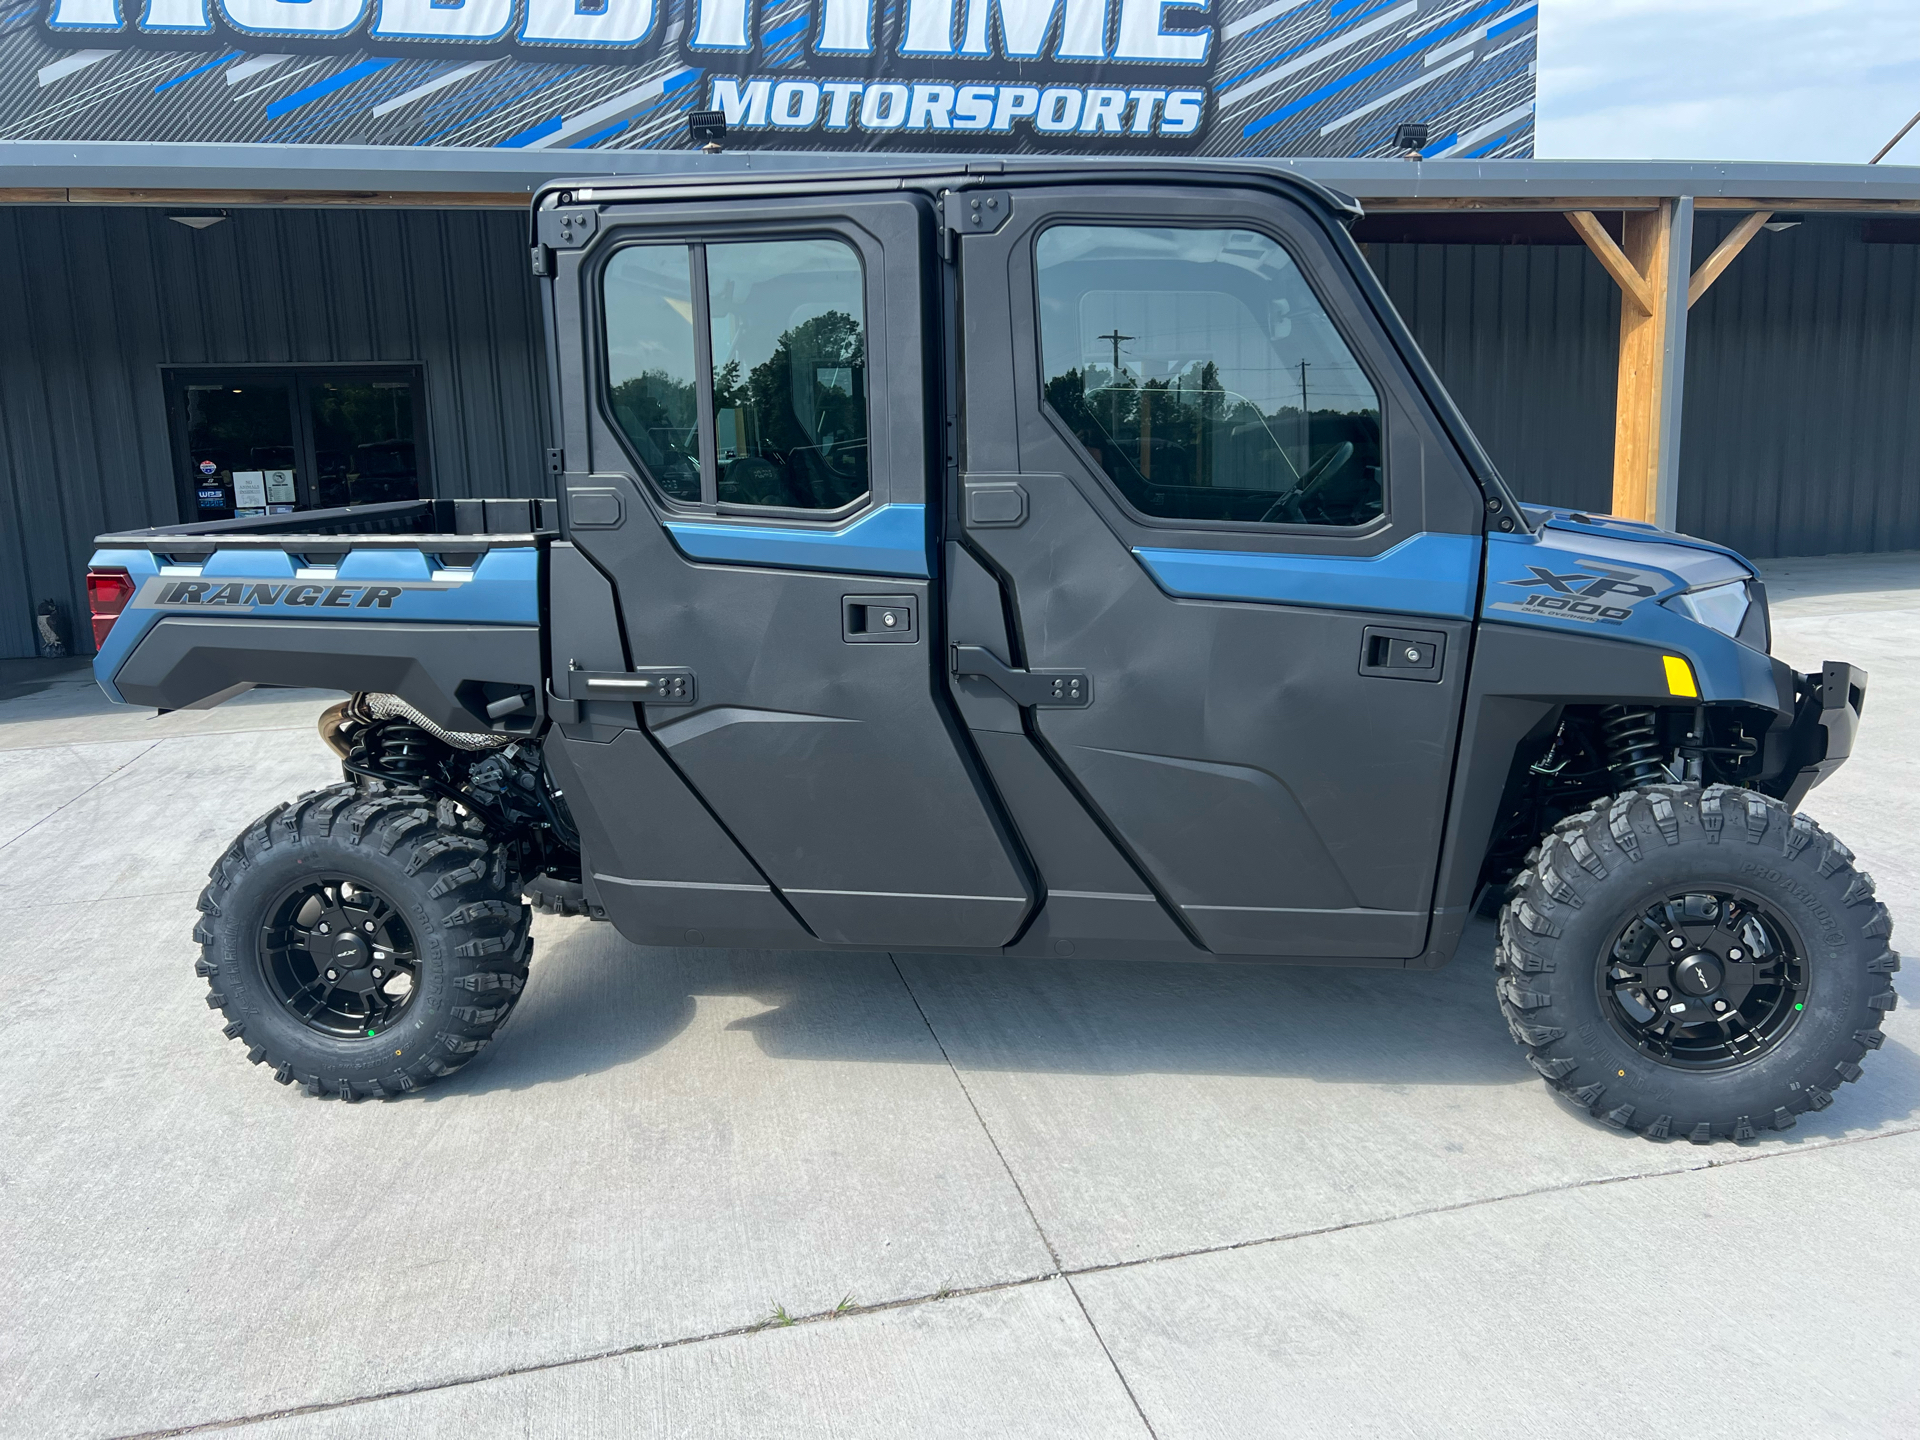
(197, 219)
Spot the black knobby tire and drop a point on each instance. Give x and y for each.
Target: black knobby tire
(1579, 905)
(445, 896)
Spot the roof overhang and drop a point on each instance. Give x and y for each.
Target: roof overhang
(156, 173)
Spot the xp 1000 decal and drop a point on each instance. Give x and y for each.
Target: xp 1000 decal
(1208, 77)
(1587, 590)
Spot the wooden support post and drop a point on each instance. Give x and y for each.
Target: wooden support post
(1724, 255)
(1650, 267)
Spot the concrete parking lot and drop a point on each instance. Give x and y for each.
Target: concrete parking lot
(995, 1199)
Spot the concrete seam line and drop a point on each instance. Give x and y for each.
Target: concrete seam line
(980, 1120)
(646, 1347)
(1118, 1373)
(202, 1427)
(72, 799)
(184, 735)
(1019, 1190)
(107, 899)
(1814, 1148)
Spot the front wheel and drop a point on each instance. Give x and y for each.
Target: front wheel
(363, 942)
(1705, 963)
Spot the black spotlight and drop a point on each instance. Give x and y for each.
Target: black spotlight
(707, 127)
(1411, 135)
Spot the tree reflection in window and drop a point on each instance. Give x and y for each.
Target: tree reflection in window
(789, 377)
(650, 363)
(1204, 378)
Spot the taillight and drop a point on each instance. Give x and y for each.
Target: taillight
(108, 592)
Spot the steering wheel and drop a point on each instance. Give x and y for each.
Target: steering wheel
(1288, 506)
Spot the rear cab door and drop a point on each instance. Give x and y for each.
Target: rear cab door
(1215, 507)
(745, 393)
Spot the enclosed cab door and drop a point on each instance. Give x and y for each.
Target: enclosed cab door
(745, 390)
(1237, 558)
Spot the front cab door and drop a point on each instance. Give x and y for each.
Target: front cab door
(1204, 482)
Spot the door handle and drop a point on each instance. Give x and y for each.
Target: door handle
(1041, 689)
(1402, 654)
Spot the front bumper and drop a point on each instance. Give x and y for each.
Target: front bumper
(1826, 717)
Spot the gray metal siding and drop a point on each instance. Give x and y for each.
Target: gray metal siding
(1525, 338)
(94, 301)
(1802, 432)
(1802, 420)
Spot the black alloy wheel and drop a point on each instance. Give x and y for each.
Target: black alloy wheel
(1679, 961)
(338, 956)
(1704, 980)
(363, 941)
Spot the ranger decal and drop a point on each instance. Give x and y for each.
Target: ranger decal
(243, 596)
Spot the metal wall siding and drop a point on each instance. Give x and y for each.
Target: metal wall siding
(93, 301)
(1801, 433)
(1524, 338)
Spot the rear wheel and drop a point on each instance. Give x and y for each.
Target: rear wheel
(1695, 963)
(363, 943)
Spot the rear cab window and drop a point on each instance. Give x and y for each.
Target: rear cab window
(736, 373)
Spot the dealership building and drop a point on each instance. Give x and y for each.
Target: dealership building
(249, 269)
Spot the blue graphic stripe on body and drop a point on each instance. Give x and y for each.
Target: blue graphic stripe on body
(890, 540)
(1425, 574)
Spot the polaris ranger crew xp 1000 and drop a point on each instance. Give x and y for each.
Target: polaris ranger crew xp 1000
(1043, 559)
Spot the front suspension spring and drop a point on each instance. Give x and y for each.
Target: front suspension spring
(1632, 740)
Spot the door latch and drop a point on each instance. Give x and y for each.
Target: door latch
(878, 620)
(1402, 654)
(1041, 689)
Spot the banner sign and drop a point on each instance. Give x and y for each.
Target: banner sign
(1139, 77)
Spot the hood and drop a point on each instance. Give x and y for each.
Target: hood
(1586, 524)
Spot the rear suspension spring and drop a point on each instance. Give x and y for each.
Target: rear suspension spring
(401, 750)
(1632, 740)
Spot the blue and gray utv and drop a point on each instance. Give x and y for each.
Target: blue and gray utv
(1067, 560)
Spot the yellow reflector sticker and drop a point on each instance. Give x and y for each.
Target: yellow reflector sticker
(1680, 677)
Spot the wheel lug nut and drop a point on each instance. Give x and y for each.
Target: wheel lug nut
(1734, 953)
(324, 930)
(368, 927)
(1718, 1004)
(1677, 943)
(376, 975)
(333, 974)
(1663, 994)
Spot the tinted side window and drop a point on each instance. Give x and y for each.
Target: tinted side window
(1203, 376)
(650, 362)
(789, 373)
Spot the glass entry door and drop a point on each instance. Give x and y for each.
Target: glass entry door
(238, 436)
(269, 442)
(363, 441)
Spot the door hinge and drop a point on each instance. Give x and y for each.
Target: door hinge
(971, 212)
(649, 685)
(1041, 689)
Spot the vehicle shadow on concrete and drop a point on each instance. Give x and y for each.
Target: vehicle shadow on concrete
(596, 1002)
